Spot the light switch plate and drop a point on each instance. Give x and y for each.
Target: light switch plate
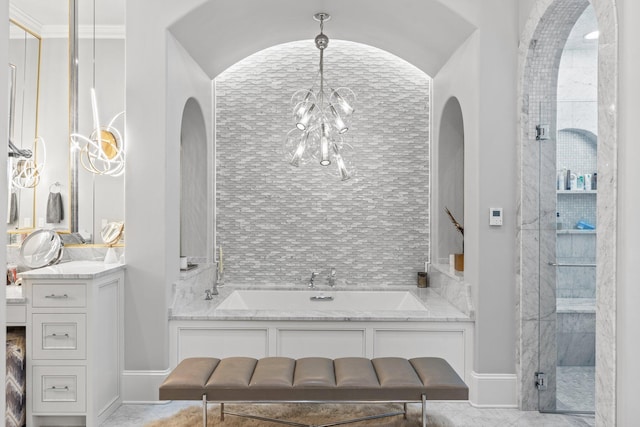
(495, 216)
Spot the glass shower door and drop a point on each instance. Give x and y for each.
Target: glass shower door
(576, 272)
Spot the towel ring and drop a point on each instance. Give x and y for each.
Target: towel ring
(53, 186)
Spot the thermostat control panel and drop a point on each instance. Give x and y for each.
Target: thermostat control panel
(495, 216)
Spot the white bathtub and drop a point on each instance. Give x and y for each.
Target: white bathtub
(291, 300)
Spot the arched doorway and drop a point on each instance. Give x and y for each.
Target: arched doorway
(541, 50)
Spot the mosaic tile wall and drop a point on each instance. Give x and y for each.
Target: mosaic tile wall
(577, 151)
(277, 223)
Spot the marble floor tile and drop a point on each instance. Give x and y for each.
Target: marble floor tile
(575, 390)
(441, 414)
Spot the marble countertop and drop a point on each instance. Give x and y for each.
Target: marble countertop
(15, 295)
(189, 304)
(73, 270)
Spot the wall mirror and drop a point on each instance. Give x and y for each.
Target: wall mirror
(24, 70)
(91, 35)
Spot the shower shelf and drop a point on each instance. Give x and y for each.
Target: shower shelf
(577, 191)
(575, 231)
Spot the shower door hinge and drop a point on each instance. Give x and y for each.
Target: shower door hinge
(542, 132)
(541, 381)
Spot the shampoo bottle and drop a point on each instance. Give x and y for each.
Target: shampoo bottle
(587, 181)
(573, 182)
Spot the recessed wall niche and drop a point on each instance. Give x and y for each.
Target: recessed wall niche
(193, 182)
(450, 180)
(277, 223)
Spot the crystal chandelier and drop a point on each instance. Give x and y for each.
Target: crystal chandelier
(321, 115)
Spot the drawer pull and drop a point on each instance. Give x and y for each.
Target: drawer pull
(54, 335)
(54, 388)
(57, 296)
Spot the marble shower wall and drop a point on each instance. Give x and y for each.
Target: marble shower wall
(277, 223)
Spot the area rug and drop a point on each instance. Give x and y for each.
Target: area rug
(310, 414)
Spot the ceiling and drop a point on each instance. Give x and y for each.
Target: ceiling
(423, 32)
(587, 23)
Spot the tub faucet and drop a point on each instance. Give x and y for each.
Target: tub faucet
(217, 281)
(312, 285)
(209, 293)
(332, 277)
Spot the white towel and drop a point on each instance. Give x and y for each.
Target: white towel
(13, 208)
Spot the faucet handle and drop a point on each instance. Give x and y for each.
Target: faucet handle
(311, 280)
(332, 277)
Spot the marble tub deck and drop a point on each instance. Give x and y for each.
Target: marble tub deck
(189, 303)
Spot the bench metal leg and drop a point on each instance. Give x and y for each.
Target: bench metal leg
(329, 424)
(424, 410)
(222, 412)
(204, 410)
(405, 411)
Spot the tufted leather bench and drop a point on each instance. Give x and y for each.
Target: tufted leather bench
(313, 379)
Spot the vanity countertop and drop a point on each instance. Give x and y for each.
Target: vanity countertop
(73, 270)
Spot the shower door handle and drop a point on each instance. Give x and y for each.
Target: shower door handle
(560, 264)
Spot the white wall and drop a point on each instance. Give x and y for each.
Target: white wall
(458, 78)
(628, 246)
(482, 75)
(495, 160)
(152, 191)
(4, 59)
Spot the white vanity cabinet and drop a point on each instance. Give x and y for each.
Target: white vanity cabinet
(74, 343)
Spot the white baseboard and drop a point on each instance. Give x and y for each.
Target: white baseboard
(142, 386)
(493, 390)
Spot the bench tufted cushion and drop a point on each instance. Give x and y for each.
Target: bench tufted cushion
(313, 379)
(187, 380)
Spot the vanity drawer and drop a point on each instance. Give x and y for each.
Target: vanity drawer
(16, 313)
(59, 389)
(59, 336)
(59, 295)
